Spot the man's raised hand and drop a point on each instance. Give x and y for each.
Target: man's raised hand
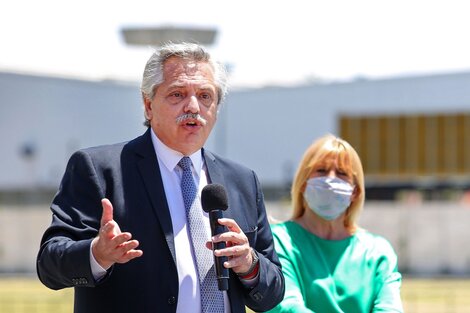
(111, 245)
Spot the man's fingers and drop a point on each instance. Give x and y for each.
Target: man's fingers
(127, 251)
(110, 230)
(233, 238)
(235, 250)
(237, 246)
(131, 254)
(107, 215)
(111, 245)
(120, 239)
(230, 224)
(128, 246)
(234, 262)
(119, 250)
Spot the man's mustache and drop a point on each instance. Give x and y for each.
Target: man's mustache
(191, 116)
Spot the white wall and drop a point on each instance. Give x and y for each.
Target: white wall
(266, 129)
(21, 229)
(59, 116)
(429, 238)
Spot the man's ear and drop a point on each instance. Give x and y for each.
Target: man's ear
(147, 107)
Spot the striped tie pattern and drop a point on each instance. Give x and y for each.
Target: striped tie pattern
(211, 297)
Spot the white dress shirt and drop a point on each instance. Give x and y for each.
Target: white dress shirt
(189, 298)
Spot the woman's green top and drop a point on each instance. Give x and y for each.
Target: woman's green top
(357, 274)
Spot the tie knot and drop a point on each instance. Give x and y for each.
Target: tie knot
(185, 163)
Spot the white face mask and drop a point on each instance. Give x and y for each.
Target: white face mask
(328, 197)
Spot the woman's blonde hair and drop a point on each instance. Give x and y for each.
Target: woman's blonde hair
(325, 148)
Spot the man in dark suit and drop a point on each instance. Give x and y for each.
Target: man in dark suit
(119, 232)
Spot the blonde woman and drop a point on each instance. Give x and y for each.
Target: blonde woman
(330, 264)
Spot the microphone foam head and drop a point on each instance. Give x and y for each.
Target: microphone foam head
(214, 197)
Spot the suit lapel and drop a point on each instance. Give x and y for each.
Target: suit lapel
(150, 172)
(215, 172)
(216, 175)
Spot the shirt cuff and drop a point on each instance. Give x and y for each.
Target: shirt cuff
(250, 283)
(96, 269)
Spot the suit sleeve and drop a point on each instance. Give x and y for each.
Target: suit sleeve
(64, 255)
(270, 289)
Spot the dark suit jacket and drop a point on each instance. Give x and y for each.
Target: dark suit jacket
(128, 175)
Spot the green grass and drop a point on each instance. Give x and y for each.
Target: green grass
(436, 295)
(446, 295)
(28, 295)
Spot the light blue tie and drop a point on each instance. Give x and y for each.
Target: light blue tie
(212, 300)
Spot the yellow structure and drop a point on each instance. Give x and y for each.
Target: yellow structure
(403, 147)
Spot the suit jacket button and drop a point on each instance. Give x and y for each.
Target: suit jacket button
(258, 296)
(171, 300)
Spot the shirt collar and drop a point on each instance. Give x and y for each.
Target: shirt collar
(170, 157)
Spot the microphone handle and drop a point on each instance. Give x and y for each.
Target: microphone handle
(216, 228)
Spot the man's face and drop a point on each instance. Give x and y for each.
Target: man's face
(188, 87)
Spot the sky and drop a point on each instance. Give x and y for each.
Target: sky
(264, 42)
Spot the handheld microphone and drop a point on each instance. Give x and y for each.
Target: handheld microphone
(214, 201)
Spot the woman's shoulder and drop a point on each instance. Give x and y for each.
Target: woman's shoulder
(367, 236)
(289, 232)
(284, 232)
(279, 227)
(375, 243)
(284, 228)
(284, 236)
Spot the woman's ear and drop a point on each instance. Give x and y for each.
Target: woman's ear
(355, 194)
(304, 186)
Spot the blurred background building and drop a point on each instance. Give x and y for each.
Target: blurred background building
(390, 77)
(412, 133)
